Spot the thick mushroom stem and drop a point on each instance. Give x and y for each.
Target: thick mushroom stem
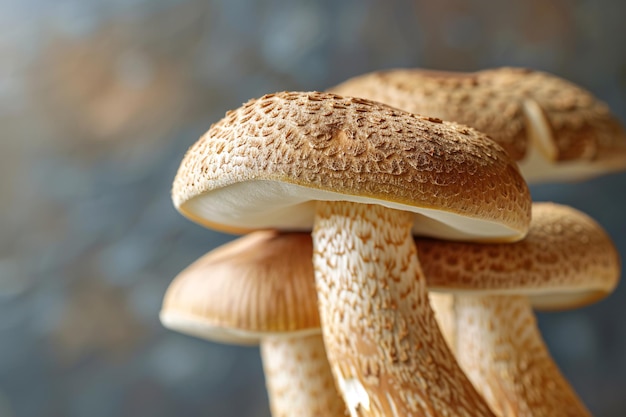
(386, 352)
(298, 377)
(500, 348)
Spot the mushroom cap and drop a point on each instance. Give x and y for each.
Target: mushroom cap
(265, 164)
(555, 129)
(566, 261)
(256, 286)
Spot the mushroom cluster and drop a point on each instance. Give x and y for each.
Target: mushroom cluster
(555, 131)
(331, 281)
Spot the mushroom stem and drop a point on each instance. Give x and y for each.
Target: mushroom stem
(386, 352)
(443, 305)
(500, 348)
(298, 377)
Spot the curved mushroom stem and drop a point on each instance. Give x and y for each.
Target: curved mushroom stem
(298, 377)
(386, 352)
(500, 348)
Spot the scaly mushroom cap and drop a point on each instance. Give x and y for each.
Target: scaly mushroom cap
(262, 166)
(466, 98)
(566, 261)
(525, 111)
(257, 286)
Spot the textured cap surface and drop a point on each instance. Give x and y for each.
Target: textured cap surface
(525, 111)
(263, 164)
(565, 261)
(258, 285)
(467, 98)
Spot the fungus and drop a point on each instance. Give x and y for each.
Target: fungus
(365, 176)
(565, 261)
(259, 289)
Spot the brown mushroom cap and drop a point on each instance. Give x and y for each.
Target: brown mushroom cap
(567, 260)
(555, 129)
(257, 286)
(264, 164)
(467, 98)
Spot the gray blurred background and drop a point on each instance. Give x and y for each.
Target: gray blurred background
(99, 99)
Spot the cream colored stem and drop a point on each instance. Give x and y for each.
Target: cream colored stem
(500, 348)
(298, 378)
(386, 352)
(443, 305)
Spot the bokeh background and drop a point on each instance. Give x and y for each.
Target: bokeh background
(99, 99)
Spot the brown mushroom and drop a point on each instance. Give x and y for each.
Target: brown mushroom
(377, 173)
(554, 129)
(541, 120)
(565, 261)
(260, 289)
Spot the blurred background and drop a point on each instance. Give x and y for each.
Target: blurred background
(99, 99)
